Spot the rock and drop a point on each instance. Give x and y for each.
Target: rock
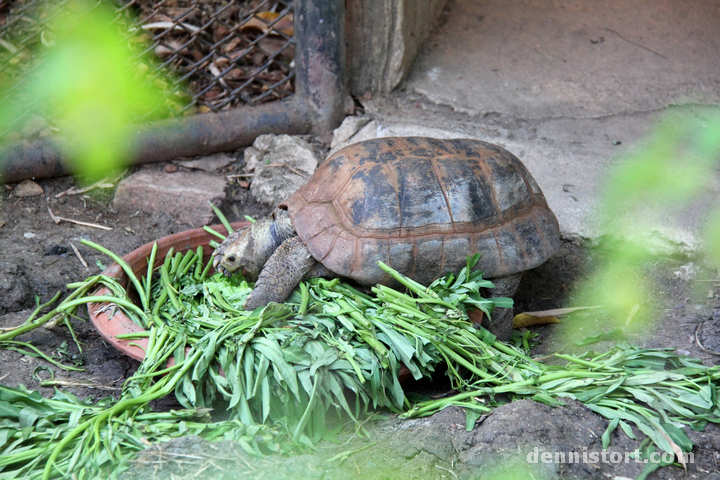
(27, 188)
(183, 195)
(282, 164)
(56, 249)
(209, 163)
(367, 131)
(545, 442)
(34, 126)
(441, 435)
(349, 127)
(686, 272)
(15, 292)
(253, 157)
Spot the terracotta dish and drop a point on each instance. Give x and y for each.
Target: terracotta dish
(110, 327)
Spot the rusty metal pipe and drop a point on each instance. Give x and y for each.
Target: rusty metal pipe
(316, 107)
(168, 139)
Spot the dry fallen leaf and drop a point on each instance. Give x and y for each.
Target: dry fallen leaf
(58, 219)
(525, 320)
(676, 449)
(208, 163)
(261, 20)
(79, 255)
(556, 312)
(476, 316)
(27, 188)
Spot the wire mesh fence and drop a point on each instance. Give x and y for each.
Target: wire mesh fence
(206, 55)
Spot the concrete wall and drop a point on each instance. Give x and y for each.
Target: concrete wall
(383, 37)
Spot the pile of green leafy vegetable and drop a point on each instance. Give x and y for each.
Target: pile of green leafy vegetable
(279, 371)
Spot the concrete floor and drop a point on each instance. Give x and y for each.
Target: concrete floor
(568, 86)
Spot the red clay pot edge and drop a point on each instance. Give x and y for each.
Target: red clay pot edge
(109, 327)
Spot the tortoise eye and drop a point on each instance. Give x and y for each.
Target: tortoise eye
(231, 259)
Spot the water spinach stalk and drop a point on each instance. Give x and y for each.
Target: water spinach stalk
(331, 349)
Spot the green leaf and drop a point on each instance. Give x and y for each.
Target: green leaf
(327, 358)
(260, 374)
(650, 378)
(611, 336)
(272, 351)
(547, 399)
(339, 394)
(620, 380)
(265, 392)
(471, 416)
(701, 400)
(627, 429)
(8, 411)
(401, 347)
(678, 436)
(27, 417)
(5, 434)
(608, 431)
(75, 417)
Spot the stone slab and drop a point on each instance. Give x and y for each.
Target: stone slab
(183, 195)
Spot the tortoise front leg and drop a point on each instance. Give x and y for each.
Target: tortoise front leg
(281, 274)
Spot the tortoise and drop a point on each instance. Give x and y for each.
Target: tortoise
(420, 205)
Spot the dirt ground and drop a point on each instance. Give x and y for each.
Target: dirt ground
(38, 260)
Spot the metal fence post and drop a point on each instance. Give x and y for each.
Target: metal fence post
(320, 61)
(315, 107)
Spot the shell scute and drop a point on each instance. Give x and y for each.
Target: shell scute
(420, 195)
(371, 199)
(428, 259)
(468, 193)
(508, 184)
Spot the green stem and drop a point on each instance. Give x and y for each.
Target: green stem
(222, 218)
(150, 268)
(308, 410)
(213, 232)
(125, 267)
(102, 299)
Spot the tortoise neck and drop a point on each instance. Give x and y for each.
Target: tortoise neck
(280, 228)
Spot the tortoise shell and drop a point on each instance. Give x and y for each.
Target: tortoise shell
(422, 205)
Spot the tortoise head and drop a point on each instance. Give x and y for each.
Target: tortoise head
(248, 249)
(238, 253)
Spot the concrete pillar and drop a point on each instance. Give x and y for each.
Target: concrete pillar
(383, 37)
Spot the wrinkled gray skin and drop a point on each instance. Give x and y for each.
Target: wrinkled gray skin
(270, 251)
